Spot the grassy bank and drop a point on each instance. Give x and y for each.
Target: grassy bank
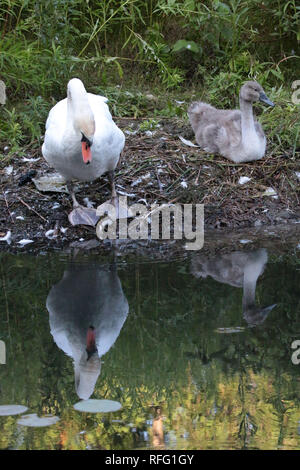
(126, 50)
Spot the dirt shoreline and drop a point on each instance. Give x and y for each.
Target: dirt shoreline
(156, 166)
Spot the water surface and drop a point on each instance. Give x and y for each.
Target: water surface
(197, 351)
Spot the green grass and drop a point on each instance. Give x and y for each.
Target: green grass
(126, 49)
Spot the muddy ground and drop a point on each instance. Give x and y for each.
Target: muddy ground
(156, 166)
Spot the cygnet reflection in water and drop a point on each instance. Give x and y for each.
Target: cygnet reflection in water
(238, 269)
(87, 310)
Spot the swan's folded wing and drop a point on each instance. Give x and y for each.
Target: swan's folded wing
(57, 115)
(99, 107)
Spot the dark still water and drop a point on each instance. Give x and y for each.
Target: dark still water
(197, 352)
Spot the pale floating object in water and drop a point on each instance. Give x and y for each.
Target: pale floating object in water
(187, 142)
(243, 242)
(236, 329)
(244, 179)
(10, 410)
(24, 242)
(97, 406)
(6, 238)
(269, 192)
(52, 183)
(35, 421)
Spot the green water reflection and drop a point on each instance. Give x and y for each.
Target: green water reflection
(195, 351)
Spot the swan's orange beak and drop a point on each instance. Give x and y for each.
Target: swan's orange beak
(86, 152)
(91, 347)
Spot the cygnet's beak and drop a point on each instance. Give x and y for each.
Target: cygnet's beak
(263, 97)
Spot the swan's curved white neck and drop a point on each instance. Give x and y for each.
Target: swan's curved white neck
(80, 115)
(247, 117)
(252, 271)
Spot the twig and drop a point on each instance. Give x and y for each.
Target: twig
(31, 209)
(197, 178)
(286, 58)
(8, 207)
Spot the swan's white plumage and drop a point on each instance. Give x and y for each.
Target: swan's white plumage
(62, 144)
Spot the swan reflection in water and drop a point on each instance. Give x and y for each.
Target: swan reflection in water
(87, 310)
(238, 269)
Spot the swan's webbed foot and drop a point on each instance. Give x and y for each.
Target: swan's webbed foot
(83, 216)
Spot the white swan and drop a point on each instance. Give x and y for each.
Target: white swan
(235, 134)
(82, 142)
(87, 310)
